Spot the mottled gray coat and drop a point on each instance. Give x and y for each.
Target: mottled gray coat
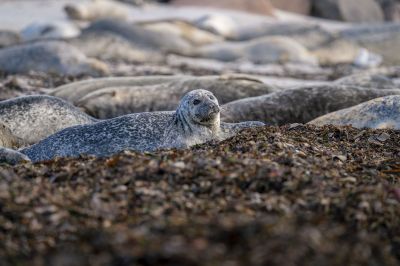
(378, 113)
(49, 57)
(195, 121)
(116, 101)
(299, 105)
(32, 118)
(7, 139)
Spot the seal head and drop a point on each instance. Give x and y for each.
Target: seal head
(197, 119)
(199, 107)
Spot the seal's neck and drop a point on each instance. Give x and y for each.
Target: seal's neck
(188, 127)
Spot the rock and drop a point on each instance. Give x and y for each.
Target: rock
(383, 137)
(350, 11)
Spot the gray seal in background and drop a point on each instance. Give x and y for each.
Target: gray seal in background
(121, 100)
(299, 105)
(32, 118)
(54, 57)
(382, 113)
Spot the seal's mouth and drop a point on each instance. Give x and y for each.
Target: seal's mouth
(209, 119)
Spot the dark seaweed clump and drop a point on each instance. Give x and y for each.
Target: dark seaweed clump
(294, 195)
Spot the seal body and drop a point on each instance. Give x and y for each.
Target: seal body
(55, 57)
(32, 118)
(276, 49)
(74, 91)
(299, 105)
(12, 157)
(7, 139)
(382, 113)
(49, 30)
(9, 38)
(115, 101)
(196, 120)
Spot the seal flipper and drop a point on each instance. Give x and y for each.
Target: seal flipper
(230, 129)
(12, 157)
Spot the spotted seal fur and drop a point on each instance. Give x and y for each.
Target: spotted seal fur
(299, 105)
(8, 139)
(196, 120)
(32, 118)
(382, 113)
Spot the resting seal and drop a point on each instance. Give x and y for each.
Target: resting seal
(7, 139)
(49, 30)
(196, 120)
(299, 105)
(383, 113)
(266, 50)
(55, 57)
(116, 101)
(113, 39)
(32, 118)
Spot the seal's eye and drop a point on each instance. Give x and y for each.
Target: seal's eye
(196, 102)
(211, 97)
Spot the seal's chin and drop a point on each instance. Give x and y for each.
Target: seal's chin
(207, 120)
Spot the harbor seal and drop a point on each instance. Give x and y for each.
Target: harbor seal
(299, 105)
(138, 36)
(266, 50)
(381, 113)
(116, 101)
(8, 38)
(74, 91)
(183, 29)
(369, 80)
(55, 57)
(10, 156)
(32, 118)
(97, 9)
(195, 121)
(382, 39)
(7, 139)
(49, 30)
(119, 40)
